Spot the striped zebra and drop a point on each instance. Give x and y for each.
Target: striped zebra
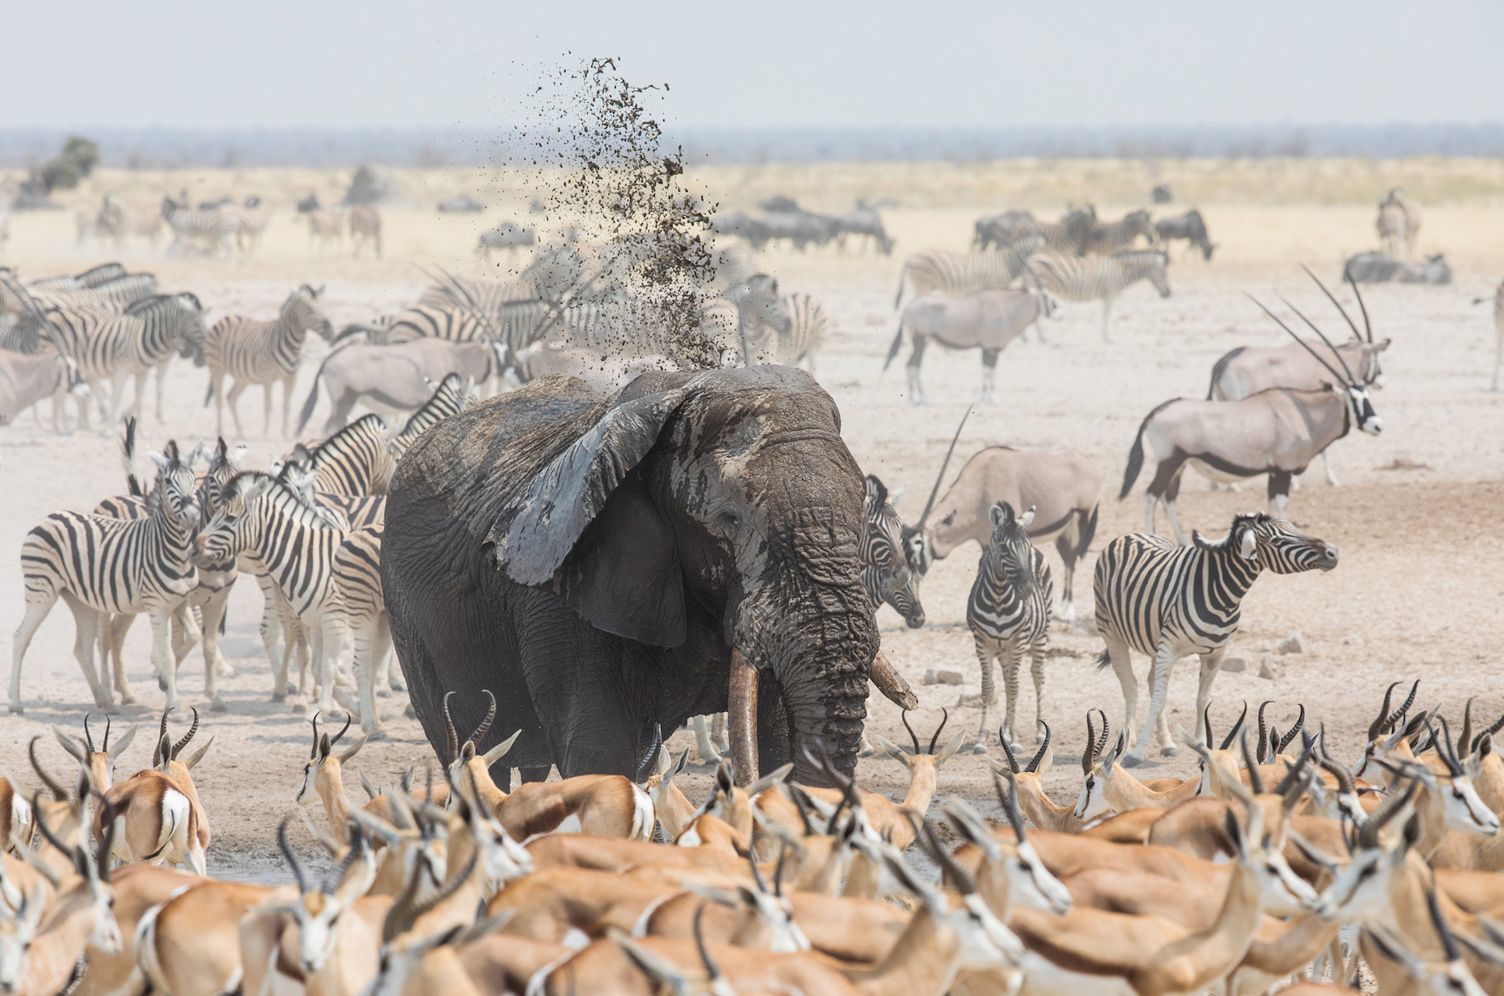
(1070, 234)
(100, 565)
(132, 343)
(361, 609)
(250, 351)
(116, 294)
(356, 460)
(92, 277)
(292, 543)
(1171, 601)
(203, 230)
(1099, 278)
(1106, 237)
(885, 570)
(966, 272)
(453, 395)
(1009, 613)
(808, 326)
(488, 297)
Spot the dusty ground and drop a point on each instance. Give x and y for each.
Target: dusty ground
(1416, 594)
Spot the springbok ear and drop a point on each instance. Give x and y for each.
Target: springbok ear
(198, 755)
(352, 750)
(119, 746)
(1247, 544)
(949, 750)
(1027, 519)
(891, 749)
(74, 749)
(499, 751)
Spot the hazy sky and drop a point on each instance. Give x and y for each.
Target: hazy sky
(989, 63)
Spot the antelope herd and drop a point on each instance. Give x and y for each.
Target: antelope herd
(1285, 862)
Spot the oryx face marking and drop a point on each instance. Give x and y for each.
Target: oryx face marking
(1363, 412)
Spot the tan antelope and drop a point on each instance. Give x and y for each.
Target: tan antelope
(99, 763)
(158, 810)
(604, 805)
(1028, 783)
(1275, 433)
(15, 817)
(139, 888)
(323, 773)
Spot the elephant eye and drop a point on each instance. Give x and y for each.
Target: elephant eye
(730, 520)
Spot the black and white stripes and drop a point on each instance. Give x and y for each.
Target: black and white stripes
(1171, 601)
(1098, 278)
(885, 570)
(1009, 611)
(249, 351)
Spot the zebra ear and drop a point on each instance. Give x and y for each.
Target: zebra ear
(1248, 544)
(896, 495)
(999, 513)
(160, 460)
(1027, 519)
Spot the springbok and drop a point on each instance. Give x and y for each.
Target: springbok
(99, 763)
(1061, 485)
(1276, 432)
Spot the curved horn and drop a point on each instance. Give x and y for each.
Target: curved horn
(944, 718)
(949, 867)
(89, 737)
(342, 730)
(1237, 728)
(1102, 737)
(1292, 732)
(1002, 738)
(1255, 778)
(1376, 728)
(1303, 344)
(1446, 748)
(1444, 932)
(178, 747)
(289, 857)
(1341, 310)
(162, 729)
(313, 751)
(1292, 777)
(1395, 716)
(52, 786)
(712, 970)
(336, 874)
(912, 735)
(940, 477)
(1206, 724)
(1368, 833)
(451, 737)
(1331, 345)
(762, 884)
(1464, 739)
(485, 724)
(1263, 748)
(1088, 756)
(1043, 748)
(1010, 806)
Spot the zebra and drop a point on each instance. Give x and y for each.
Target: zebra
(885, 570)
(294, 545)
(1009, 612)
(356, 460)
(115, 294)
(966, 272)
(365, 226)
(808, 326)
(101, 565)
(1170, 601)
(487, 297)
(249, 352)
(139, 339)
(204, 230)
(361, 609)
(453, 395)
(1104, 238)
(1099, 278)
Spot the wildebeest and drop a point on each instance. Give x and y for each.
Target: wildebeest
(463, 204)
(800, 228)
(864, 221)
(1161, 194)
(1106, 237)
(508, 235)
(395, 378)
(1377, 268)
(1189, 226)
(987, 320)
(1000, 229)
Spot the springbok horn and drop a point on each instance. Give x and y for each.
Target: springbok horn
(1255, 779)
(1464, 739)
(1303, 344)
(891, 683)
(1102, 737)
(712, 970)
(292, 861)
(1368, 833)
(1341, 310)
(314, 751)
(1395, 716)
(1292, 733)
(1376, 728)
(940, 477)
(342, 730)
(162, 730)
(451, 736)
(1497, 725)
(1446, 749)
(1262, 753)
(1335, 352)
(89, 737)
(1002, 738)
(1206, 724)
(1448, 942)
(912, 735)
(742, 707)
(1237, 728)
(1087, 755)
(485, 724)
(944, 718)
(52, 786)
(178, 747)
(1044, 747)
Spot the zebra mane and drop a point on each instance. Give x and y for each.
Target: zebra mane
(449, 386)
(367, 425)
(158, 301)
(1224, 542)
(1136, 254)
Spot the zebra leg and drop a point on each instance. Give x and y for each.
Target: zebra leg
(325, 640)
(1009, 660)
(287, 403)
(916, 357)
(704, 749)
(1210, 664)
(988, 694)
(266, 408)
(373, 644)
(140, 403)
(271, 630)
(167, 673)
(86, 634)
(989, 371)
(232, 398)
(112, 652)
(1036, 671)
(214, 662)
(1159, 686)
(161, 389)
(1121, 660)
(36, 611)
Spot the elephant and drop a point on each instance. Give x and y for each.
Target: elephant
(610, 565)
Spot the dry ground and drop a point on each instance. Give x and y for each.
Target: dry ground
(1420, 581)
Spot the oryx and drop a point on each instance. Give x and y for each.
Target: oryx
(1247, 370)
(1277, 432)
(1061, 486)
(987, 320)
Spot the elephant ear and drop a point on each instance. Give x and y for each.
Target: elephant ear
(543, 522)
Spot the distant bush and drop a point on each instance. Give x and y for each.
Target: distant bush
(62, 172)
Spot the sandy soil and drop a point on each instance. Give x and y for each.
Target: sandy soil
(1416, 594)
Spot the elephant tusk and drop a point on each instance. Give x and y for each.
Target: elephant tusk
(742, 713)
(891, 683)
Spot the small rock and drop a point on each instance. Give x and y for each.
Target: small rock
(1270, 670)
(1235, 665)
(933, 677)
(1292, 644)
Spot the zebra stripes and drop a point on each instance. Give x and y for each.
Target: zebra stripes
(808, 325)
(1111, 237)
(210, 229)
(1098, 278)
(354, 461)
(1171, 601)
(249, 352)
(885, 570)
(362, 609)
(453, 395)
(130, 344)
(487, 297)
(966, 273)
(1009, 612)
(102, 565)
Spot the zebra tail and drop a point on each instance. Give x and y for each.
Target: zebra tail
(1104, 659)
(897, 342)
(128, 453)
